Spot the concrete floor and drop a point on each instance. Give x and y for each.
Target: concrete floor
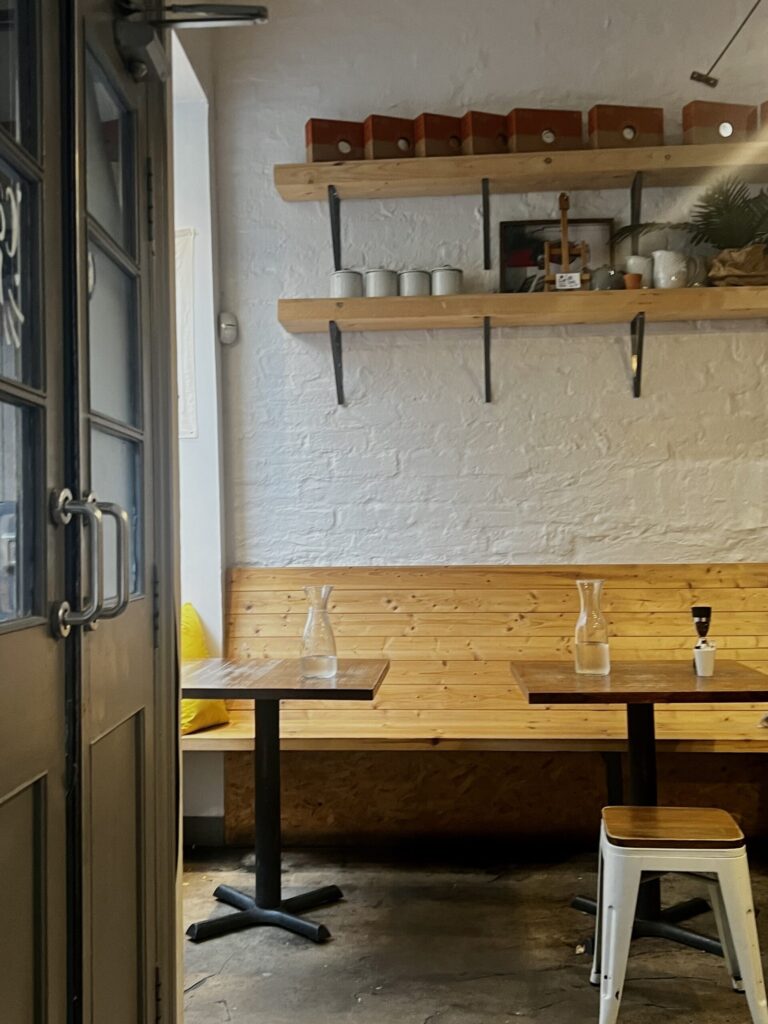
(427, 943)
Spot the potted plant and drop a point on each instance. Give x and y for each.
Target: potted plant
(734, 220)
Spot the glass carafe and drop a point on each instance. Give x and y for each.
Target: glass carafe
(591, 640)
(318, 645)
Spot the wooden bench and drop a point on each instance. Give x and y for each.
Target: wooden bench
(450, 633)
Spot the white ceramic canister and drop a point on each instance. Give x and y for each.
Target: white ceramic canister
(446, 281)
(642, 265)
(380, 283)
(346, 284)
(415, 282)
(670, 269)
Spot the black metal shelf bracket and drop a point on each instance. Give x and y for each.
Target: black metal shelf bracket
(487, 356)
(486, 224)
(637, 331)
(338, 368)
(334, 208)
(635, 206)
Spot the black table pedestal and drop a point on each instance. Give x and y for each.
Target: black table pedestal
(651, 921)
(268, 907)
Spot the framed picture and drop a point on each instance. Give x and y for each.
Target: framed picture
(522, 249)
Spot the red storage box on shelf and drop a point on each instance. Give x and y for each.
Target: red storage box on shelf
(388, 137)
(437, 135)
(705, 121)
(531, 129)
(333, 140)
(483, 133)
(613, 126)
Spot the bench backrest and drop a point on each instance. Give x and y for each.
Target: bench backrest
(450, 632)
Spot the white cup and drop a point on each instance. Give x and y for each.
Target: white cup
(346, 284)
(380, 283)
(446, 281)
(414, 282)
(704, 658)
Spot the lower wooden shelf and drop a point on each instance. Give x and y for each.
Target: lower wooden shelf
(434, 312)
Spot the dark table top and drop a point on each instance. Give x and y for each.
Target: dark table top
(279, 679)
(638, 682)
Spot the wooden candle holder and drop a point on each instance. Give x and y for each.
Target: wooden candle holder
(704, 121)
(531, 130)
(388, 138)
(483, 133)
(437, 135)
(333, 140)
(612, 127)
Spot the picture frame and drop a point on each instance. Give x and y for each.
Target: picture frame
(521, 248)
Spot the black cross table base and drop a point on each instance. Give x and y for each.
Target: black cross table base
(283, 916)
(651, 921)
(268, 906)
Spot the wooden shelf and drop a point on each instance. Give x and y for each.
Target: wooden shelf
(302, 316)
(587, 169)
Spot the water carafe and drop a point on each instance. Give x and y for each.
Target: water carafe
(318, 646)
(591, 640)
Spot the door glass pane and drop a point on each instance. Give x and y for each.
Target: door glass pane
(20, 539)
(115, 476)
(19, 330)
(112, 338)
(109, 155)
(17, 70)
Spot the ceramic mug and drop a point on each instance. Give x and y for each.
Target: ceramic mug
(446, 281)
(380, 283)
(414, 282)
(670, 269)
(641, 265)
(346, 284)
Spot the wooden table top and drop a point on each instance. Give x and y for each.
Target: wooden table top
(638, 682)
(279, 679)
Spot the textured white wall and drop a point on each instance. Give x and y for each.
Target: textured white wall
(564, 465)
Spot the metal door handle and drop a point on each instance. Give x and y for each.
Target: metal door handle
(123, 527)
(63, 508)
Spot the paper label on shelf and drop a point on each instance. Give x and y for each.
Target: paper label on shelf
(567, 282)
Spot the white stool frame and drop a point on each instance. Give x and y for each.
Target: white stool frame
(727, 873)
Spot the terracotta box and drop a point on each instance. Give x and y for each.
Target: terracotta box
(388, 137)
(483, 133)
(334, 140)
(704, 121)
(531, 130)
(437, 135)
(613, 126)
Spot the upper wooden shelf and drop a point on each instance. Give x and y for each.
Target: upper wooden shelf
(586, 169)
(301, 316)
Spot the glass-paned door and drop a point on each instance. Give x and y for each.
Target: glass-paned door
(33, 765)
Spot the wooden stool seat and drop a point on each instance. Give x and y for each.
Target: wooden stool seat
(685, 828)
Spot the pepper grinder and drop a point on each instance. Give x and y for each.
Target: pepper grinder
(703, 650)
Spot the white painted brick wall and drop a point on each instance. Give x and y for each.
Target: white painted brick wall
(564, 465)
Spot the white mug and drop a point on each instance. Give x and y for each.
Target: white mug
(346, 284)
(670, 269)
(446, 281)
(414, 282)
(642, 265)
(380, 283)
(704, 659)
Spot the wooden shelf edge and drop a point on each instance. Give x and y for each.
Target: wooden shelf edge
(438, 312)
(583, 169)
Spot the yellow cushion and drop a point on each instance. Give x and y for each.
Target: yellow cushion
(197, 714)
